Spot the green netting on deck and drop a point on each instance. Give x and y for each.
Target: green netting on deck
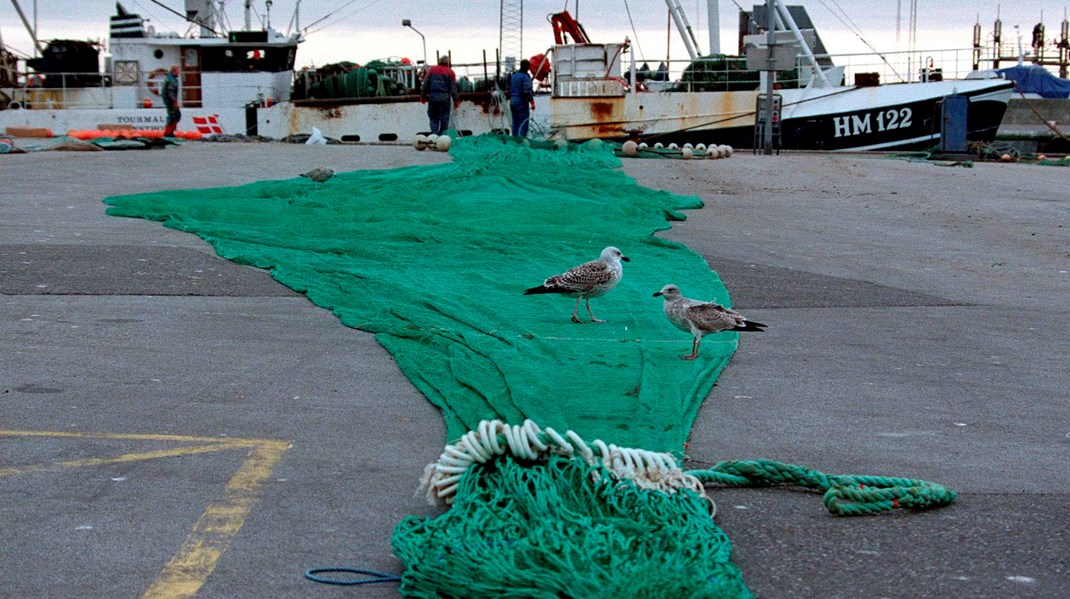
(434, 260)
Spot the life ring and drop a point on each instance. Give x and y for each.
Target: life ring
(154, 81)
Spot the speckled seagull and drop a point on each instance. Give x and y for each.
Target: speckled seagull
(591, 279)
(319, 174)
(700, 318)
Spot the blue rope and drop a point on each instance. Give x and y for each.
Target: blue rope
(312, 574)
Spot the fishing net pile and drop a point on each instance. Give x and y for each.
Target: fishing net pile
(434, 260)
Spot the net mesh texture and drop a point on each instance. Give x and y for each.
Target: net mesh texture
(434, 260)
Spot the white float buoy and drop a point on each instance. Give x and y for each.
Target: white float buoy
(443, 143)
(630, 148)
(700, 148)
(673, 146)
(642, 145)
(419, 142)
(658, 145)
(687, 153)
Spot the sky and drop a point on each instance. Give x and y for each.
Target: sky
(362, 30)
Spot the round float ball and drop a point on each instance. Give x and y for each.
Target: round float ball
(419, 142)
(630, 148)
(443, 143)
(592, 143)
(674, 147)
(728, 151)
(1005, 158)
(689, 146)
(700, 148)
(687, 153)
(642, 145)
(659, 145)
(713, 153)
(431, 139)
(1041, 157)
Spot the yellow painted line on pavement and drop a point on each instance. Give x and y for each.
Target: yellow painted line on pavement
(188, 570)
(128, 457)
(137, 437)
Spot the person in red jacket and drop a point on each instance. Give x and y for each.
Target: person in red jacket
(439, 91)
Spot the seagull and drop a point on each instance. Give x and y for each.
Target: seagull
(319, 174)
(590, 279)
(700, 318)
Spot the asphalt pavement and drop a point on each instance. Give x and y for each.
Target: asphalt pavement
(173, 421)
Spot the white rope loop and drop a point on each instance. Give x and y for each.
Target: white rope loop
(647, 469)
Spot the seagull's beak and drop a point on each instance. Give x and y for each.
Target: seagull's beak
(657, 293)
(625, 258)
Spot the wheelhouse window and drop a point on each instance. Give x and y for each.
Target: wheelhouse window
(245, 58)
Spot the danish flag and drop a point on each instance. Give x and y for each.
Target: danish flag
(208, 124)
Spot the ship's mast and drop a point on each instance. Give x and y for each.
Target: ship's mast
(31, 30)
(678, 17)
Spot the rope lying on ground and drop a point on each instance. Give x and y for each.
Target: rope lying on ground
(845, 495)
(536, 513)
(493, 438)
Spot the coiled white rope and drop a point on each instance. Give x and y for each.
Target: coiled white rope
(492, 438)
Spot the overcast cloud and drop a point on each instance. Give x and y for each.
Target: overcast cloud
(362, 30)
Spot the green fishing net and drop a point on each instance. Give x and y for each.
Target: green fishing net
(434, 260)
(550, 529)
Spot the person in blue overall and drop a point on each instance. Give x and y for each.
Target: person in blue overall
(439, 90)
(521, 97)
(169, 95)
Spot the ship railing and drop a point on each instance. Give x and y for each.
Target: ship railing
(902, 66)
(54, 91)
(729, 73)
(1052, 53)
(60, 90)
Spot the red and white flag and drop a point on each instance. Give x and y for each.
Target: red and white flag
(208, 124)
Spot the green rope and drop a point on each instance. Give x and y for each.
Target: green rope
(845, 495)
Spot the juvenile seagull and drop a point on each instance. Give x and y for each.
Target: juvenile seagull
(701, 318)
(319, 174)
(590, 279)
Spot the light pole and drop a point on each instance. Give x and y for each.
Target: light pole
(408, 23)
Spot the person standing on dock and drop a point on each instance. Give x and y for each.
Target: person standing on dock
(521, 99)
(169, 94)
(439, 91)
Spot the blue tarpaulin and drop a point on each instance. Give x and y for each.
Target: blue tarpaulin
(1037, 80)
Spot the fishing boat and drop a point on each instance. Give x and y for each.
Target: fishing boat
(226, 77)
(244, 82)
